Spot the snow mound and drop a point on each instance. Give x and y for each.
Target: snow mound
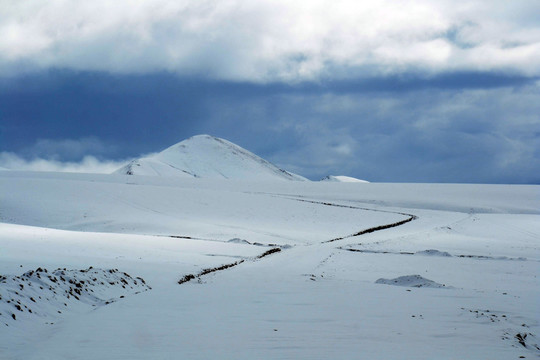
(341, 178)
(238, 241)
(245, 242)
(47, 294)
(433, 252)
(411, 281)
(205, 156)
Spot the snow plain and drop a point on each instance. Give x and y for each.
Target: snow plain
(314, 299)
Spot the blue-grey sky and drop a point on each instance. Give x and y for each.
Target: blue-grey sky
(422, 91)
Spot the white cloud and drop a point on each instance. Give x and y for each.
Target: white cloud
(270, 40)
(68, 149)
(88, 164)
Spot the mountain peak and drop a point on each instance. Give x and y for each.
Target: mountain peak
(206, 156)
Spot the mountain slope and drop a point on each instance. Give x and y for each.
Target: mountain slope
(205, 156)
(340, 178)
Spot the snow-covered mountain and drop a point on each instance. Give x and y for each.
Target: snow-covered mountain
(341, 178)
(205, 156)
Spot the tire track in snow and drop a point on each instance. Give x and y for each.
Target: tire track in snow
(410, 217)
(204, 272)
(373, 229)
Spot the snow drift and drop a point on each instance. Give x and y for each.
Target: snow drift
(411, 281)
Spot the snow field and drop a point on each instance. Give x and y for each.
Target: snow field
(311, 300)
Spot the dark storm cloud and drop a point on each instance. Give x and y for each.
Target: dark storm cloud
(473, 127)
(152, 109)
(453, 135)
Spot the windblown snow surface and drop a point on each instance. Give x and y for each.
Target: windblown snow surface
(245, 270)
(205, 156)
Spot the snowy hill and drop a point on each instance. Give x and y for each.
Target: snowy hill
(205, 156)
(341, 178)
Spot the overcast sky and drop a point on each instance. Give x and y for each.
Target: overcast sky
(420, 90)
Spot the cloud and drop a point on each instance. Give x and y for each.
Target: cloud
(67, 149)
(86, 155)
(267, 41)
(88, 164)
(447, 135)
